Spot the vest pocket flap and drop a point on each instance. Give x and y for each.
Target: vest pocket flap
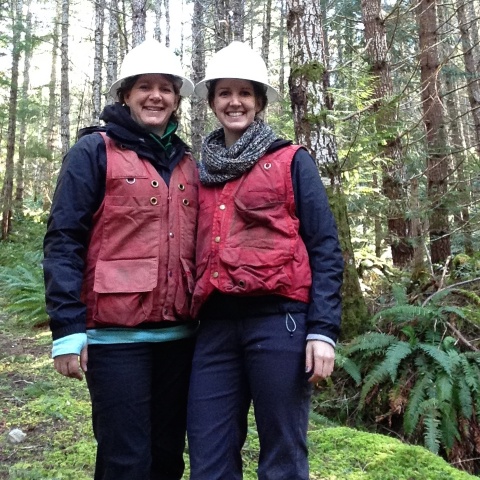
(126, 276)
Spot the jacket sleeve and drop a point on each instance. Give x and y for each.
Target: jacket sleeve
(319, 233)
(79, 193)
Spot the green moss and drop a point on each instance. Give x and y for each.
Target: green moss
(342, 453)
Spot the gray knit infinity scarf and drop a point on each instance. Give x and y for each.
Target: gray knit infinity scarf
(220, 164)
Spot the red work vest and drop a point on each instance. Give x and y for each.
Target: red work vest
(248, 239)
(140, 260)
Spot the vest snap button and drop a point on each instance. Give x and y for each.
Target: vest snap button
(217, 239)
(185, 202)
(222, 207)
(154, 200)
(131, 181)
(215, 274)
(154, 184)
(181, 187)
(171, 234)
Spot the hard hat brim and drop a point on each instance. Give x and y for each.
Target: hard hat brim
(201, 89)
(185, 90)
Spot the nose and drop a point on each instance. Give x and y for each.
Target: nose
(156, 94)
(235, 100)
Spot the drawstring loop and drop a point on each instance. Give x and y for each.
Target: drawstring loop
(290, 324)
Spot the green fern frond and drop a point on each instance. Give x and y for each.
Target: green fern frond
(465, 402)
(448, 427)
(405, 313)
(459, 312)
(471, 374)
(431, 425)
(372, 342)
(444, 386)
(399, 294)
(349, 366)
(388, 368)
(415, 399)
(439, 356)
(395, 354)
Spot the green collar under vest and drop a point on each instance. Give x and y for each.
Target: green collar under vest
(165, 141)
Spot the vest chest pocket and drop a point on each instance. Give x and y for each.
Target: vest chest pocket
(124, 291)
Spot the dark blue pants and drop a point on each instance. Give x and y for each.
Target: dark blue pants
(139, 395)
(237, 361)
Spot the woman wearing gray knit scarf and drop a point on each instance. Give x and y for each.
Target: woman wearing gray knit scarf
(268, 280)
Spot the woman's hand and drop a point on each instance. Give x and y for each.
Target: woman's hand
(319, 361)
(69, 365)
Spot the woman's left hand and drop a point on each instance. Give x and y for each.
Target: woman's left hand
(319, 361)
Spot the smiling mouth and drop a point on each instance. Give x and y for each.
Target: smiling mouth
(235, 114)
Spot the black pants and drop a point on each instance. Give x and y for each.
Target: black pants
(238, 361)
(139, 396)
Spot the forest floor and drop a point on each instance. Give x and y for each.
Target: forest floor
(54, 413)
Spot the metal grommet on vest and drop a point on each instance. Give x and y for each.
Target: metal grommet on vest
(181, 187)
(241, 283)
(154, 200)
(186, 202)
(154, 183)
(267, 166)
(130, 181)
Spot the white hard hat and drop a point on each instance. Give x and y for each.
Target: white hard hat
(236, 60)
(151, 56)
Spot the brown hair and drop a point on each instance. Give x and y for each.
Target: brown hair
(129, 82)
(259, 90)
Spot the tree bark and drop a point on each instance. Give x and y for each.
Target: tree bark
(393, 177)
(98, 61)
(7, 188)
(198, 111)
(22, 137)
(266, 32)
(139, 18)
(311, 99)
(64, 86)
(437, 159)
(112, 51)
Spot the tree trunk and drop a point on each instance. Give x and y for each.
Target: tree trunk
(237, 7)
(158, 21)
(7, 188)
(222, 37)
(139, 17)
(65, 87)
(392, 156)
(310, 98)
(167, 23)
(198, 107)
(98, 61)
(281, 79)
(473, 84)
(267, 27)
(112, 52)
(22, 138)
(437, 159)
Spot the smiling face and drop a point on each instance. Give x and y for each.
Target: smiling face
(235, 105)
(152, 100)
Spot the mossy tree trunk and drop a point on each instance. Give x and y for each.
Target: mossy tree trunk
(311, 101)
